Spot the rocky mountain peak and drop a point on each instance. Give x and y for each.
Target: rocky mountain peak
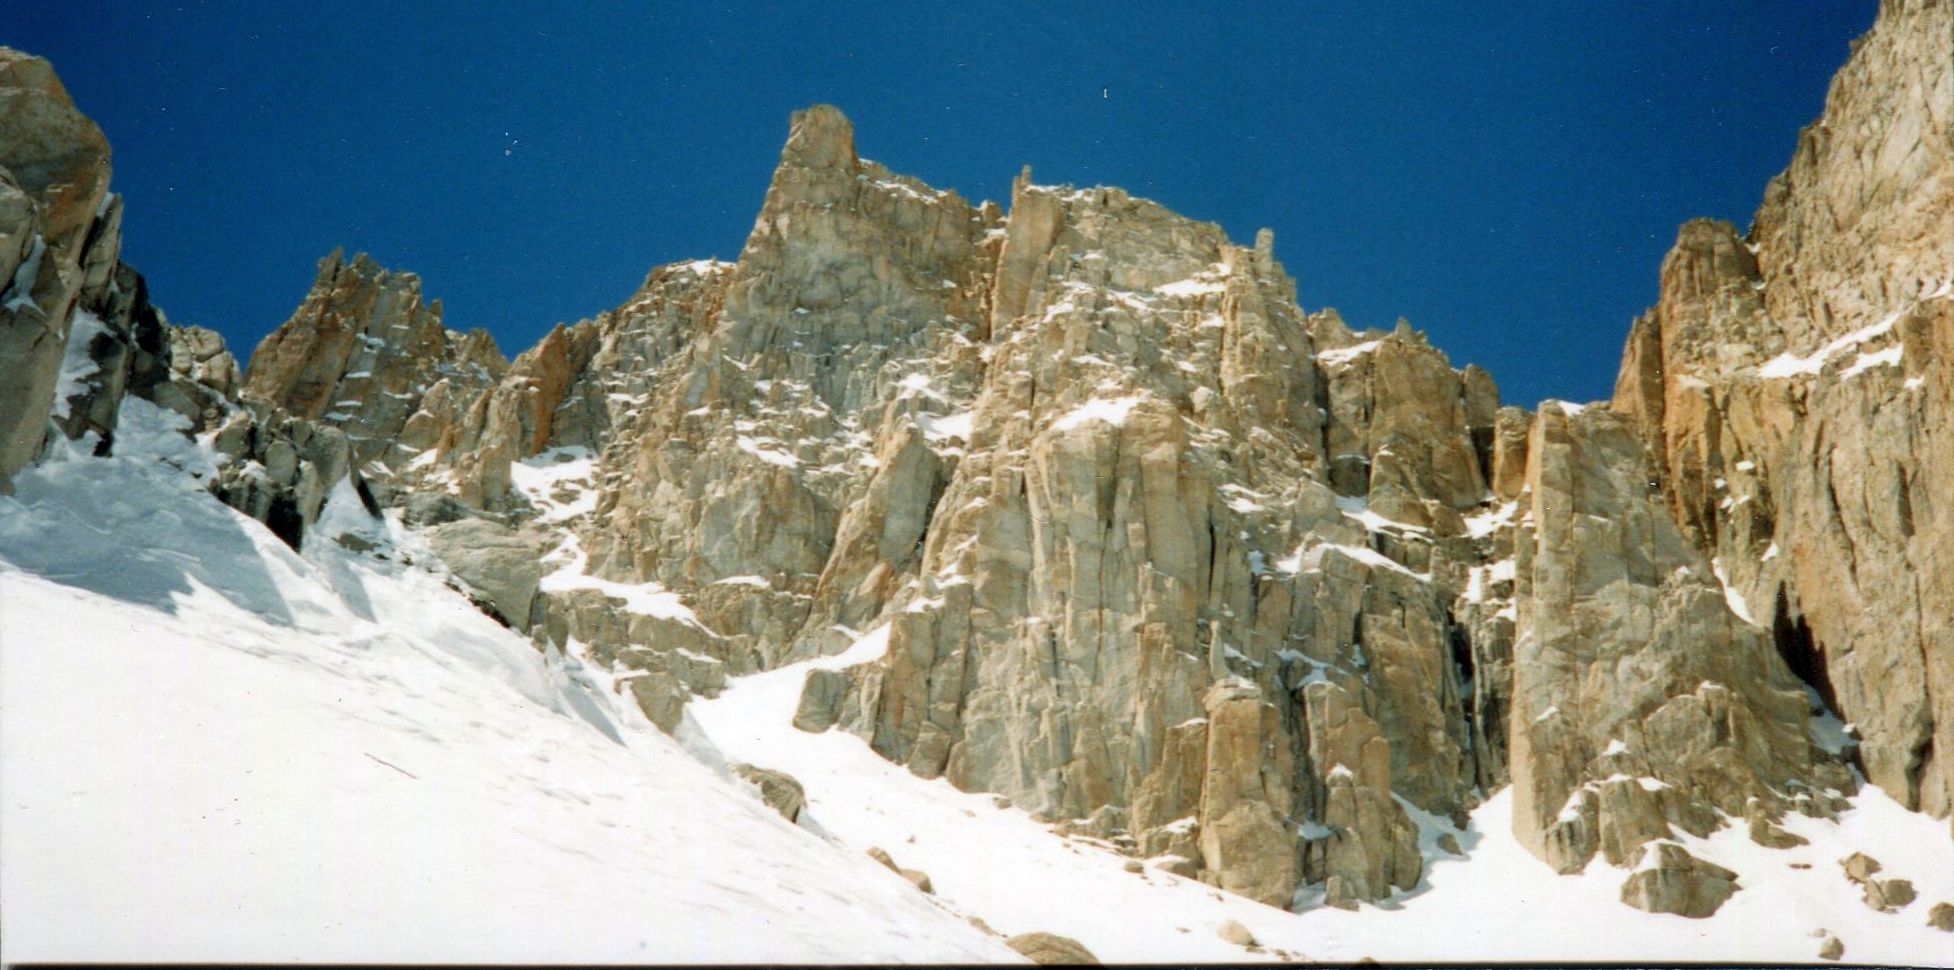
(1155, 553)
(56, 154)
(364, 353)
(1857, 224)
(820, 137)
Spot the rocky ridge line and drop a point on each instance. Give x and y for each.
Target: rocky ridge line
(1158, 555)
(1791, 386)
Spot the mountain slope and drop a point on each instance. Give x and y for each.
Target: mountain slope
(1070, 505)
(1492, 901)
(215, 749)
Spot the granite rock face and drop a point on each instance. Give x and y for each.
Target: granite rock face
(78, 334)
(1156, 554)
(1641, 701)
(1128, 537)
(1792, 387)
(365, 355)
(59, 242)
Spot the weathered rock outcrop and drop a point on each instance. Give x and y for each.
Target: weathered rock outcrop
(282, 470)
(365, 355)
(578, 388)
(59, 240)
(780, 790)
(1640, 700)
(1155, 554)
(1052, 950)
(1792, 386)
(78, 334)
(1160, 554)
(852, 315)
(1670, 880)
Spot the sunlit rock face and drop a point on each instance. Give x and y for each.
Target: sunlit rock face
(365, 355)
(1792, 387)
(1158, 555)
(60, 233)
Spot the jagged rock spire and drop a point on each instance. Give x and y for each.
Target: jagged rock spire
(820, 137)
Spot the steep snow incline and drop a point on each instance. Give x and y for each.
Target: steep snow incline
(213, 749)
(1497, 904)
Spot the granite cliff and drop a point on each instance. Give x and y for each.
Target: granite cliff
(1162, 558)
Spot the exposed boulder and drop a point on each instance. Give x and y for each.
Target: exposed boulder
(1884, 895)
(1830, 947)
(821, 701)
(1893, 894)
(1670, 880)
(1052, 950)
(1765, 831)
(781, 791)
(1179, 865)
(502, 565)
(660, 695)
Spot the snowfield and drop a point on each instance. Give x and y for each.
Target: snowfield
(1498, 904)
(214, 749)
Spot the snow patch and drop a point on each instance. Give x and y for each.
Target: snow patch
(1890, 357)
(1201, 284)
(944, 427)
(22, 285)
(1788, 364)
(77, 366)
(1731, 594)
(767, 452)
(1344, 355)
(644, 599)
(545, 476)
(1113, 411)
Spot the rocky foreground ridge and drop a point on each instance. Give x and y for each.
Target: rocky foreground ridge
(1163, 558)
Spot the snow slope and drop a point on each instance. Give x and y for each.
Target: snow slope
(1498, 904)
(214, 749)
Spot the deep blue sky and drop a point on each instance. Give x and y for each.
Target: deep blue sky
(1507, 175)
